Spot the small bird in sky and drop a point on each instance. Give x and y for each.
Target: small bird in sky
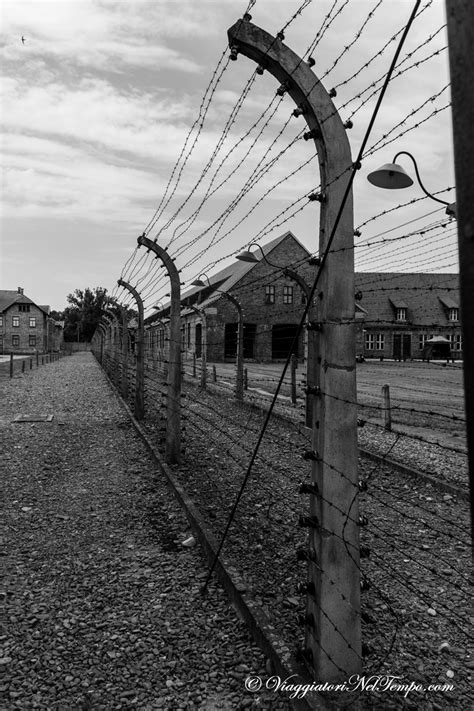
(23, 40)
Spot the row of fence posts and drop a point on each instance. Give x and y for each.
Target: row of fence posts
(333, 652)
(45, 358)
(331, 417)
(173, 370)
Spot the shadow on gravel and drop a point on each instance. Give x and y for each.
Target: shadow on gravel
(158, 530)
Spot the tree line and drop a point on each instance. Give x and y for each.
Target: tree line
(85, 309)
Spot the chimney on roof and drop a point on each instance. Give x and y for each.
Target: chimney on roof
(20, 290)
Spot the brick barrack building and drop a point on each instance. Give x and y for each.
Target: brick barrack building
(26, 327)
(396, 313)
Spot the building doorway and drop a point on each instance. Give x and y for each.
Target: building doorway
(401, 346)
(250, 332)
(198, 340)
(230, 340)
(283, 335)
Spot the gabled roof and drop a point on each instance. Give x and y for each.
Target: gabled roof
(10, 297)
(449, 302)
(422, 294)
(398, 303)
(228, 277)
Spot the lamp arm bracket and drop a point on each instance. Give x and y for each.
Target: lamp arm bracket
(406, 153)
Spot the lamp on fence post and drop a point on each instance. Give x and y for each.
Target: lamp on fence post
(333, 586)
(173, 406)
(309, 336)
(239, 383)
(140, 371)
(392, 176)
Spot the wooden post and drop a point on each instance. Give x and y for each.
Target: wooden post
(37, 359)
(332, 622)
(194, 365)
(22, 366)
(460, 17)
(11, 365)
(173, 405)
(214, 374)
(293, 378)
(246, 379)
(386, 411)
(139, 408)
(31, 363)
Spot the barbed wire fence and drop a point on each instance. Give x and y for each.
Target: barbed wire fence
(414, 550)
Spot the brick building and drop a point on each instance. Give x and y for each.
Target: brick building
(271, 304)
(25, 327)
(402, 312)
(395, 313)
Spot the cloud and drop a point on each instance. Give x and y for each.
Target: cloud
(98, 103)
(45, 178)
(103, 35)
(96, 112)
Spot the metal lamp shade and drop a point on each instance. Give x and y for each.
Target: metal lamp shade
(198, 282)
(391, 176)
(247, 256)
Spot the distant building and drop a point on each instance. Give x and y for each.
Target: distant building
(402, 312)
(395, 313)
(271, 303)
(26, 327)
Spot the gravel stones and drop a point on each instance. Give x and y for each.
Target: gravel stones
(103, 605)
(413, 535)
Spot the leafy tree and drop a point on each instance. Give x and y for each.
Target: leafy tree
(86, 308)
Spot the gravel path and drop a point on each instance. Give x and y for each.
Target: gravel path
(103, 609)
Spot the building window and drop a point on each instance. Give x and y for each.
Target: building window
(270, 294)
(15, 321)
(23, 307)
(287, 294)
(423, 338)
(374, 341)
(32, 341)
(15, 340)
(401, 314)
(453, 314)
(1, 321)
(455, 341)
(32, 321)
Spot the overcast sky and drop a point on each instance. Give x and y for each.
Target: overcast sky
(100, 98)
